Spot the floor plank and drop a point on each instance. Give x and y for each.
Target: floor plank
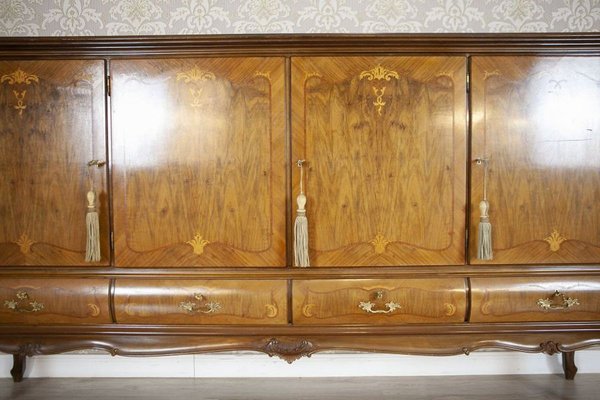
(506, 387)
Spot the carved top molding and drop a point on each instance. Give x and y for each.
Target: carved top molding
(298, 44)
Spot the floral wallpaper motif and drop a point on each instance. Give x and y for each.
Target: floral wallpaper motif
(158, 17)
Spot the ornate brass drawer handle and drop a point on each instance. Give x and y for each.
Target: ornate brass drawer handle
(23, 303)
(549, 303)
(193, 307)
(368, 307)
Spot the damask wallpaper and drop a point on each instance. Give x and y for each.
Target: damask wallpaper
(147, 17)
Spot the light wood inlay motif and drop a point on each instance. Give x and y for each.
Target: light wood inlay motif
(379, 243)
(370, 301)
(43, 159)
(19, 77)
(555, 240)
(536, 119)
(200, 185)
(24, 243)
(400, 175)
(198, 244)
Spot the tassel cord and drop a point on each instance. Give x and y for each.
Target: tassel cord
(301, 258)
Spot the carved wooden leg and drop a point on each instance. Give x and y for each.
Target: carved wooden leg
(19, 365)
(568, 360)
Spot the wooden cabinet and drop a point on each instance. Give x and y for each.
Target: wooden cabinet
(198, 154)
(384, 142)
(535, 119)
(402, 137)
(386, 301)
(52, 117)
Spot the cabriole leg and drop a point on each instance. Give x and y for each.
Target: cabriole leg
(19, 365)
(568, 360)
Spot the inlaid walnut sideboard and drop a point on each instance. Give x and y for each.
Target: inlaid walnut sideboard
(409, 150)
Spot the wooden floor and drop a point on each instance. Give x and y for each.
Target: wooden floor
(515, 387)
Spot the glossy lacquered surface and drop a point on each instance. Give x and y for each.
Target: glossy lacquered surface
(52, 122)
(199, 170)
(203, 136)
(54, 301)
(188, 302)
(384, 141)
(522, 299)
(392, 301)
(536, 119)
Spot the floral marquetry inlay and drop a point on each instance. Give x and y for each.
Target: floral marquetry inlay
(379, 243)
(23, 303)
(195, 75)
(198, 244)
(25, 243)
(260, 74)
(555, 240)
(379, 73)
(19, 77)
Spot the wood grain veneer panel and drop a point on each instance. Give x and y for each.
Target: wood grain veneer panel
(199, 156)
(536, 119)
(52, 122)
(139, 301)
(384, 138)
(516, 299)
(54, 301)
(338, 301)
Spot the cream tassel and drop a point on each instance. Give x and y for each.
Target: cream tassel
(92, 248)
(484, 236)
(301, 226)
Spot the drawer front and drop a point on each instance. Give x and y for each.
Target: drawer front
(211, 302)
(535, 299)
(54, 301)
(369, 301)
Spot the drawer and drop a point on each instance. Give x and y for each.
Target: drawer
(187, 302)
(535, 299)
(54, 301)
(369, 301)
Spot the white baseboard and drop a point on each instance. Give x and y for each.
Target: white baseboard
(248, 364)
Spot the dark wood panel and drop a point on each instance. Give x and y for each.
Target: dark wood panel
(187, 302)
(199, 170)
(313, 44)
(52, 123)
(535, 299)
(370, 301)
(536, 119)
(54, 301)
(384, 141)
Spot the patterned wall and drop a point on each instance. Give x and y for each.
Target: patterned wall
(154, 17)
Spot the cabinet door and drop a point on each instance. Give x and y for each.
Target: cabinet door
(52, 123)
(384, 142)
(536, 120)
(199, 171)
